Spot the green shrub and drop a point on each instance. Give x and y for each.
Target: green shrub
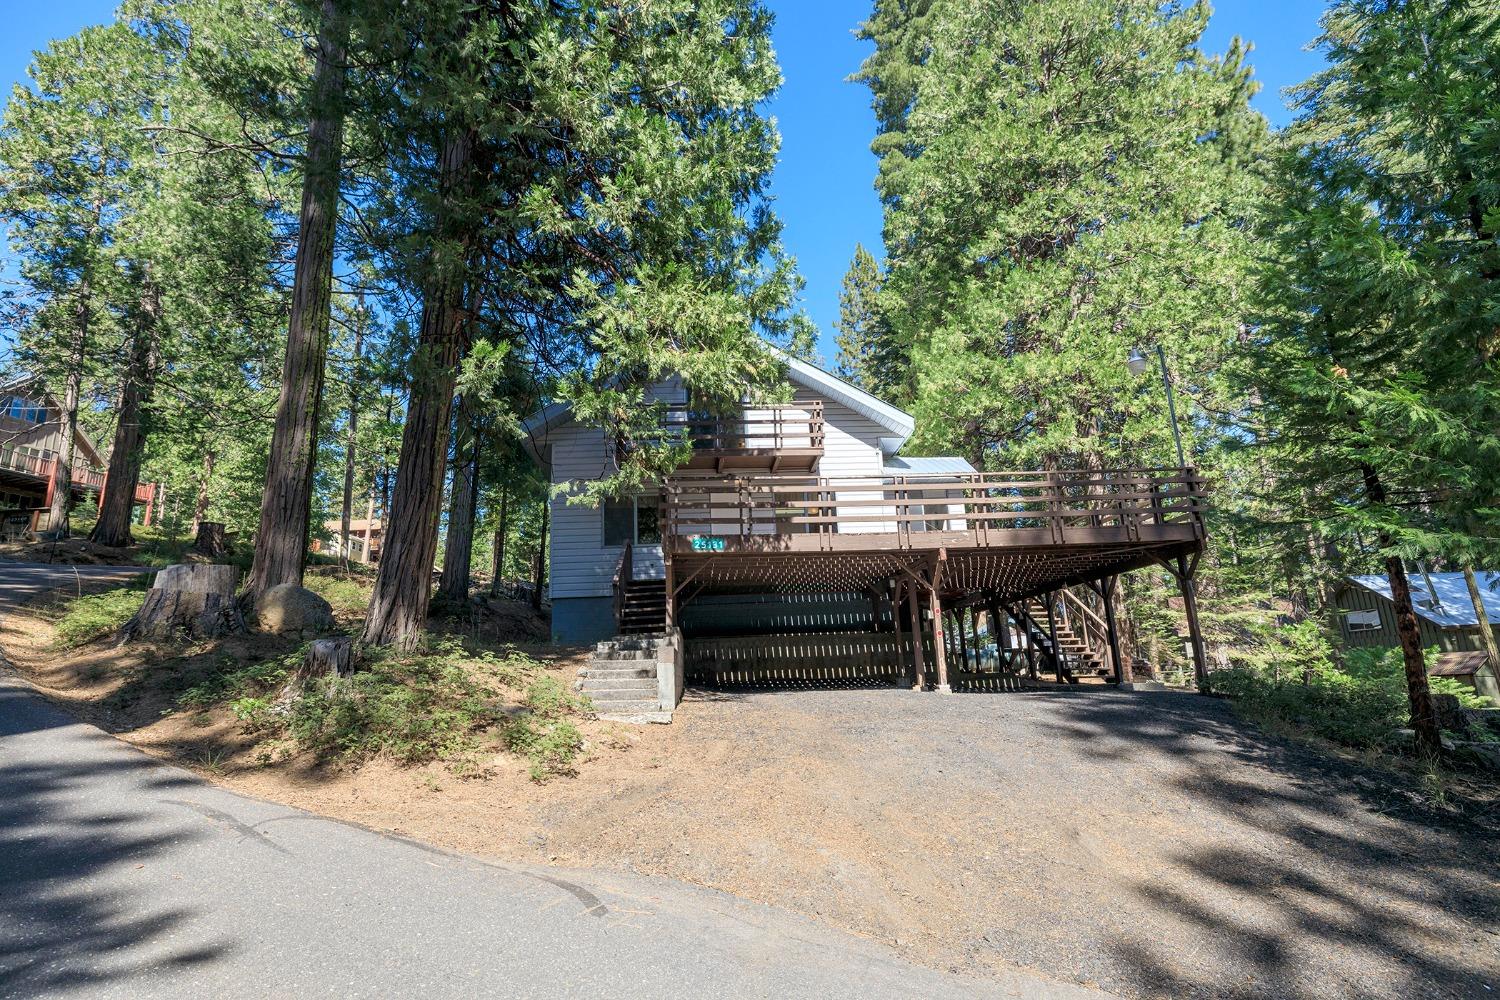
(1360, 706)
(436, 704)
(230, 680)
(97, 615)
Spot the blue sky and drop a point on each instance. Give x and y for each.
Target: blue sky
(824, 182)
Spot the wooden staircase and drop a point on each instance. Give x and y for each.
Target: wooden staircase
(640, 605)
(1080, 656)
(643, 607)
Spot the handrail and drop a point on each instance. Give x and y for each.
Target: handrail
(40, 465)
(1093, 631)
(624, 572)
(768, 426)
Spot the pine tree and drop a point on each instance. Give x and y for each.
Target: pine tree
(281, 540)
(863, 352)
(1063, 181)
(1376, 371)
(602, 210)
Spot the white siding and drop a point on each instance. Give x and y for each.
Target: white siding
(582, 565)
(851, 448)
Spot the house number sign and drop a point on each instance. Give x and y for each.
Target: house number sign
(707, 543)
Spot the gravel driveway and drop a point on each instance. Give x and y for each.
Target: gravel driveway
(1151, 844)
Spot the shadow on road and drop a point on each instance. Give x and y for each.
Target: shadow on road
(66, 923)
(1323, 866)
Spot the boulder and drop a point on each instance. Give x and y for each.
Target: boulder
(289, 609)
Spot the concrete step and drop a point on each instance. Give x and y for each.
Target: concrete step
(628, 644)
(618, 668)
(624, 706)
(622, 690)
(638, 718)
(624, 657)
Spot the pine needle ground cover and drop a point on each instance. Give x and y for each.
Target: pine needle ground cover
(456, 702)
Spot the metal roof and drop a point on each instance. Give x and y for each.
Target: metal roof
(1452, 609)
(902, 466)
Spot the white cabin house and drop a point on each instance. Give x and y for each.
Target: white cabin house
(831, 430)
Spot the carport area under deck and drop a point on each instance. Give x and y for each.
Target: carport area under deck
(936, 549)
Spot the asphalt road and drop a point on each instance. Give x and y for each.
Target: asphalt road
(124, 877)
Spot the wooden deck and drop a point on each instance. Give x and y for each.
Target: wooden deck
(772, 438)
(1011, 533)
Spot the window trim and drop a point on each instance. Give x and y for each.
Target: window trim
(635, 521)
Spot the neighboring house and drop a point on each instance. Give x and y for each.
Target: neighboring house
(1445, 619)
(30, 442)
(795, 522)
(365, 538)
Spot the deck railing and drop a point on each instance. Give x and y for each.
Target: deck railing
(768, 428)
(39, 465)
(698, 510)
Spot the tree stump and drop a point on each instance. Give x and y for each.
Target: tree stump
(188, 601)
(329, 656)
(210, 540)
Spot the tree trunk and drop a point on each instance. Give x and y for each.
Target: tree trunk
(118, 502)
(62, 487)
(539, 578)
(1486, 630)
(369, 528)
(193, 600)
(385, 472)
(453, 586)
(200, 503)
(210, 540)
(1423, 719)
(398, 606)
(281, 539)
(351, 433)
(499, 553)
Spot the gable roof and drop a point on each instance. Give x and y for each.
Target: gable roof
(1453, 609)
(536, 427)
(34, 385)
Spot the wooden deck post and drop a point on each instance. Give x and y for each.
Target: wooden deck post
(896, 623)
(963, 643)
(670, 619)
(919, 665)
(1123, 674)
(1057, 663)
(938, 641)
(1184, 574)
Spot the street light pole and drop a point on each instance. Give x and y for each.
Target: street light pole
(1137, 364)
(1166, 380)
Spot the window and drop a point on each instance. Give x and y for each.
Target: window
(1361, 621)
(632, 519)
(647, 521)
(25, 410)
(619, 521)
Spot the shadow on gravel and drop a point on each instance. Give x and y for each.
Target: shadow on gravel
(1359, 870)
(59, 930)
